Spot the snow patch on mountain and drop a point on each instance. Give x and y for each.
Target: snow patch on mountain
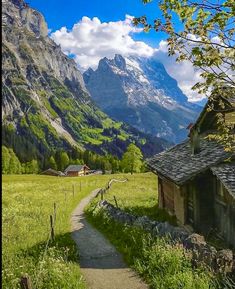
(138, 90)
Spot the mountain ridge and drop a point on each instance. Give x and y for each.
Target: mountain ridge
(45, 103)
(140, 92)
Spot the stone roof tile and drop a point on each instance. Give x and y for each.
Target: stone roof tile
(179, 165)
(74, 168)
(226, 174)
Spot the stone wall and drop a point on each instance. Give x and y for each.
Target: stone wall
(220, 261)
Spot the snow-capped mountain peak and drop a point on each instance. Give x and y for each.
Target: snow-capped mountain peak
(139, 91)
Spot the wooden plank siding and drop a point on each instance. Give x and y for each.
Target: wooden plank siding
(191, 176)
(224, 207)
(160, 194)
(200, 205)
(179, 204)
(75, 173)
(171, 198)
(168, 196)
(72, 174)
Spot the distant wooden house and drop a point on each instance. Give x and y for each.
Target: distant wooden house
(196, 179)
(76, 170)
(51, 172)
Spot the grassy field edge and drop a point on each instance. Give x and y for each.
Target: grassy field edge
(161, 264)
(27, 203)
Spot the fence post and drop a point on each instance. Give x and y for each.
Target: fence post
(115, 200)
(52, 228)
(65, 195)
(25, 283)
(54, 212)
(102, 194)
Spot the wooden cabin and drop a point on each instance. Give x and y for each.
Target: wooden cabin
(51, 172)
(76, 170)
(196, 180)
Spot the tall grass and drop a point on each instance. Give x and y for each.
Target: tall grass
(139, 196)
(27, 203)
(161, 264)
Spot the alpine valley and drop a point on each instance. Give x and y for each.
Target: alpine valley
(45, 104)
(141, 93)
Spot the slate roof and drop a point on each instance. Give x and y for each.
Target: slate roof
(226, 174)
(74, 168)
(179, 165)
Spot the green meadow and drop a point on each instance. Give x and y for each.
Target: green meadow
(138, 196)
(27, 203)
(160, 263)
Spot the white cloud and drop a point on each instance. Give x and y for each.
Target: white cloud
(90, 40)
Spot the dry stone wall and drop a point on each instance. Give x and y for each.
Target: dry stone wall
(222, 261)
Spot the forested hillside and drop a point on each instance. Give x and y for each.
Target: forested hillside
(46, 108)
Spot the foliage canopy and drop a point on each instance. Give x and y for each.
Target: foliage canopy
(206, 39)
(132, 159)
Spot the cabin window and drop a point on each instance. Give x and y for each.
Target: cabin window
(190, 208)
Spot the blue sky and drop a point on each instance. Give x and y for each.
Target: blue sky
(66, 13)
(94, 29)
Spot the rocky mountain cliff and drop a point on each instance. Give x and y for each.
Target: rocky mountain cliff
(140, 92)
(45, 104)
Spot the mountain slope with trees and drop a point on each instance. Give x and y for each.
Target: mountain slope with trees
(203, 33)
(45, 105)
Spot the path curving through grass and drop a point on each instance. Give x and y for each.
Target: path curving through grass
(101, 265)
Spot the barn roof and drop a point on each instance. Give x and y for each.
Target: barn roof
(52, 172)
(179, 165)
(74, 168)
(226, 174)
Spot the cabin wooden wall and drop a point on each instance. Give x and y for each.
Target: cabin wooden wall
(72, 174)
(168, 196)
(77, 174)
(189, 194)
(224, 206)
(209, 209)
(179, 202)
(160, 194)
(204, 199)
(171, 198)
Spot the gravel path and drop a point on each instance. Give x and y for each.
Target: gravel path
(101, 265)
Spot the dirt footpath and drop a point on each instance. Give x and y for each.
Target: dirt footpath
(101, 265)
